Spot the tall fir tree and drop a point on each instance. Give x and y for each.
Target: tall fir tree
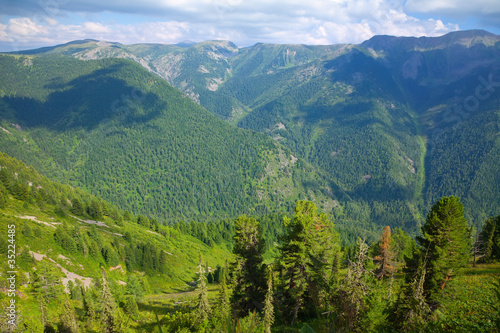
(69, 323)
(446, 241)
(490, 238)
(203, 309)
(268, 304)
(248, 275)
(353, 292)
(305, 256)
(111, 321)
(223, 295)
(411, 309)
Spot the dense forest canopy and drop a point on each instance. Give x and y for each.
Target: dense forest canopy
(272, 188)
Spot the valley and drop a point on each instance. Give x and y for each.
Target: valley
(203, 187)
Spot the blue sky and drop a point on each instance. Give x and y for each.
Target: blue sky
(26, 24)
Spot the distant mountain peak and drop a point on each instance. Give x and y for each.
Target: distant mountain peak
(186, 43)
(462, 37)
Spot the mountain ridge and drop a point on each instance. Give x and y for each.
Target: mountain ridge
(370, 117)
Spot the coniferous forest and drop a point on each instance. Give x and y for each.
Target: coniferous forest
(312, 189)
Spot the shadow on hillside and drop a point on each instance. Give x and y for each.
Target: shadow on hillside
(88, 101)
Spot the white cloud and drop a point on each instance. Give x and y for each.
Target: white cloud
(3, 34)
(243, 22)
(94, 27)
(24, 28)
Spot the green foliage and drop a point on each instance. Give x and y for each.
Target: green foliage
(402, 244)
(130, 306)
(110, 315)
(134, 287)
(100, 140)
(248, 270)
(306, 254)
(46, 282)
(490, 239)
(268, 303)
(446, 243)
(352, 296)
(69, 323)
(203, 309)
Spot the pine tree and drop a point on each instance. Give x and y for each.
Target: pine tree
(223, 296)
(130, 306)
(203, 309)
(411, 308)
(109, 319)
(95, 210)
(446, 238)
(223, 305)
(134, 287)
(305, 256)
(268, 304)
(353, 291)
(69, 324)
(47, 282)
(89, 309)
(77, 207)
(248, 276)
(490, 237)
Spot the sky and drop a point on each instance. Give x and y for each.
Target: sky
(28, 24)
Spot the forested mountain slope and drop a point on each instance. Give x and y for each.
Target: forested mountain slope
(110, 127)
(393, 123)
(58, 220)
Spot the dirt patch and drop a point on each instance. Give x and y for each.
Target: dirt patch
(68, 261)
(34, 219)
(5, 130)
(70, 276)
(152, 232)
(98, 223)
(119, 267)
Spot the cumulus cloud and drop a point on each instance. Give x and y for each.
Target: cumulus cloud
(243, 22)
(24, 28)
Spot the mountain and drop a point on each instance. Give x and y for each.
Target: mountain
(391, 124)
(54, 220)
(113, 129)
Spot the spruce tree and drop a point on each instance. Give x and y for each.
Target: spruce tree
(490, 237)
(203, 309)
(411, 309)
(305, 256)
(77, 207)
(89, 309)
(109, 318)
(353, 291)
(268, 304)
(224, 317)
(223, 296)
(69, 324)
(446, 241)
(248, 275)
(130, 306)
